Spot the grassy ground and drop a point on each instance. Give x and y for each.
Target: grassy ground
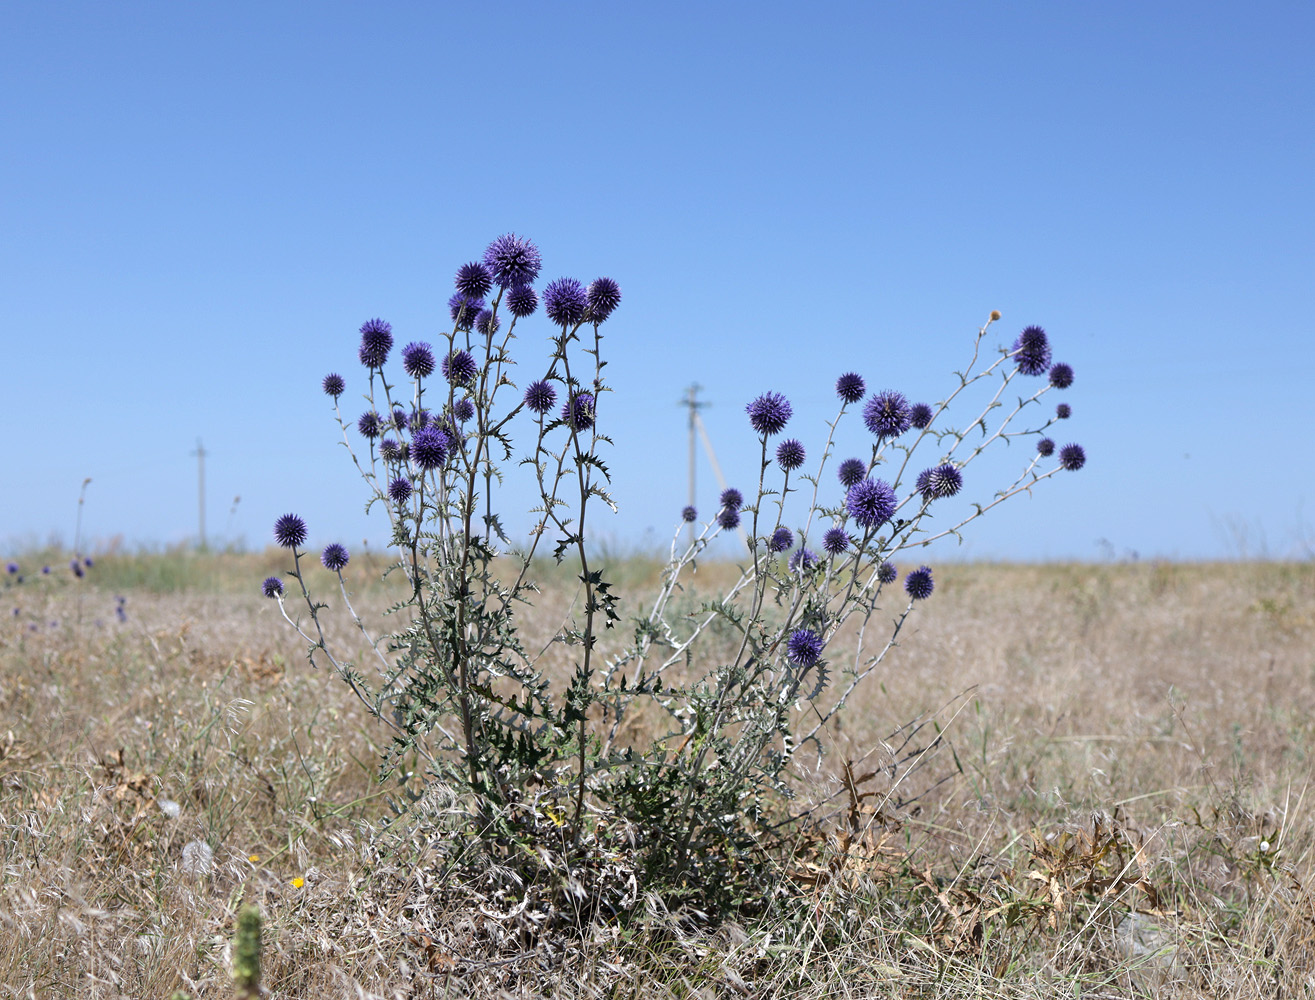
(1120, 804)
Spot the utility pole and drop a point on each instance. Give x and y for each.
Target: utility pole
(691, 400)
(200, 489)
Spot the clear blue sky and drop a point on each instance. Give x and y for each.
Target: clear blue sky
(202, 202)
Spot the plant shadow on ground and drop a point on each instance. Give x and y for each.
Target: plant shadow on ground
(1078, 780)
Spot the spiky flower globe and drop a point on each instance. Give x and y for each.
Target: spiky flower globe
(888, 414)
(540, 397)
(802, 560)
(1045, 447)
(474, 280)
(522, 300)
(334, 385)
(400, 419)
(565, 301)
(1072, 457)
(487, 323)
(1061, 376)
(942, 481)
(418, 359)
(782, 539)
(769, 413)
(728, 518)
(579, 411)
(390, 450)
(513, 260)
(334, 557)
(464, 309)
(369, 425)
(419, 419)
(851, 471)
(790, 454)
(850, 387)
(459, 368)
(1063, 411)
(603, 296)
(919, 415)
(272, 586)
(290, 531)
(918, 584)
(688, 514)
(430, 447)
(835, 541)
(1032, 351)
(399, 490)
(887, 573)
(731, 498)
(871, 502)
(463, 409)
(804, 647)
(376, 342)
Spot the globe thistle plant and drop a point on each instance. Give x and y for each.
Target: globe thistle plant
(429, 448)
(565, 302)
(1032, 351)
(850, 387)
(1045, 447)
(334, 385)
(578, 412)
(272, 587)
(920, 415)
(540, 397)
(418, 359)
(513, 260)
(603, 296)
(460, 368)
(474, 280)
(804, 559)
(463, 409)
(1063, 411)
(399, 490)
(1072, 457)
(769, 413)
(835, 541)
(942, 481)
(790, 454)
(782, 539)
(887, 573)
(689, 514)
(290, 531)
(804, 647)
(334, 557)
(522, 301)
(918, 584)
(1061, 376)
(487, 323)
(369, 425)
(871, 502)
(851, 471)
(464, 310)
(728, 518)
(376, 342)
(731, 499)
(888, 414)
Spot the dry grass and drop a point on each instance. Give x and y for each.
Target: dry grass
(1119, 805)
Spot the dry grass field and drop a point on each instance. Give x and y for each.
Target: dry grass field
(1119, 803)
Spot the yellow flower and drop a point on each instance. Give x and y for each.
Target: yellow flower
(297, 883)
(253, 858)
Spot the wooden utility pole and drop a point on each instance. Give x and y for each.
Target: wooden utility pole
(692, 401)
(200, 488)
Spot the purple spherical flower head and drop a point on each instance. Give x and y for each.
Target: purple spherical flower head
(1032, 351)
(688, 515)
(464, 310)
(731, 498)
(522, 300)
(804, 647)
(399, 490)
(333, 385)
(87, 562)
(45, 570)
(578, 412)
(369, 425)
(729, 518)
(390, 450)
(769, 412)
(540, 397)
(272, 586)
(871, 502)
(782, 539)
(12, 568)
(1072, 457)
(400, 420)
(942, 481)
(419, 420)
(463, 409)
(919, 415)
(886, 573)
(790, 454)
(851, 471)
(1045, 447)
(474, 280)
(888, 414)
(290, 531)
(604, 295)
(430, 447)
(459, 368)
(802, 560)
(835, 541)
(1063, 411)
(565, 301)
(513, 260)
(376, 342)
(334, 557)
(850, 387)
(486, 323)
(918, 584)
(418, 359)
(1061, 376)
(74, 565)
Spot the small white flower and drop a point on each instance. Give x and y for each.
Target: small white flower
(198, 858)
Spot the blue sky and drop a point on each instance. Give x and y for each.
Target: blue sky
(202, 202)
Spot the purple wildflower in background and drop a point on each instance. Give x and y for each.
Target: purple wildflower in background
(272, 586)
(399, 490)
(368, 425)
(871, 502)
(119, 611)
(1072, 457)
(790, 454)
(333, 385)
(942, 481)
(400, 420)
(1045, 447)
(418, 359)
(919, 415)
(578, 412)
(731, 498)
(429, 447)
(918, 584)
(802, 560)
(540, 397)
(464, 310)
(887, 572)
(604, 295)
(689, 515)
(1063, 411)
(522, 300)
(376, 342)
(290, 531)
(45, 570)
(474, 280)
(486, 323)
(887, 414)
(75, 566)
(390, 450)
(850, 387)
(851, 471)
(804, 647)
(513, 260)
(729, 518)
(87, 562)
(334, 557)
(782, 539)
(565, 301)
(769, 413)
(459, 368)
(463, 409)
(836, 541)
(1032, 351)
(12, 568)
(1061, 376)
(419, 420)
